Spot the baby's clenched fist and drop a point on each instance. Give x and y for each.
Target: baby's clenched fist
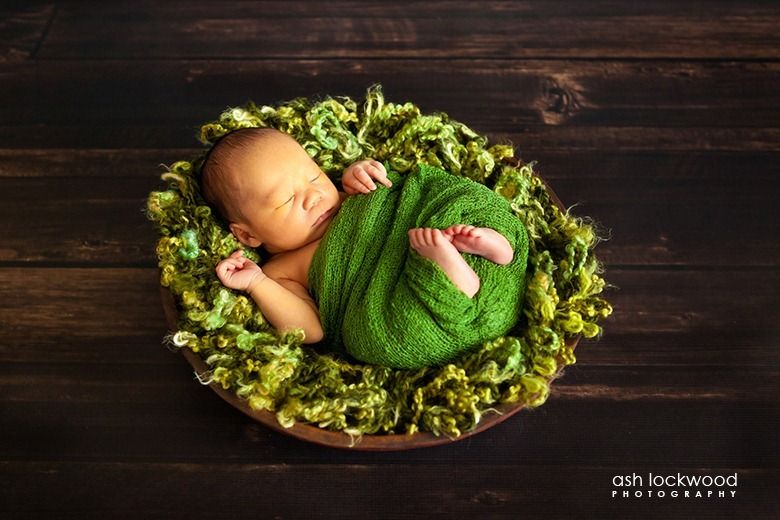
(238, 272)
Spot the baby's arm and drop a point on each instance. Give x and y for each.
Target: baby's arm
(285, 303)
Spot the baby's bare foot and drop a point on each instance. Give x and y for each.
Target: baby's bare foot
(485, 242)
(431, 243)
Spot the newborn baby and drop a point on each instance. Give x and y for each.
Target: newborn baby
(272, 194)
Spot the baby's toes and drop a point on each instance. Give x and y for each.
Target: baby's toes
(418, 237)
(466, 243)
(439, 238)
(427, 236)
(412, 237)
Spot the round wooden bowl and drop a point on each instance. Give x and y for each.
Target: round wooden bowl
(337, 439)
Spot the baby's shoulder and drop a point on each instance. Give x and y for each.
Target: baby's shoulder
(278, 266)
(292, 265)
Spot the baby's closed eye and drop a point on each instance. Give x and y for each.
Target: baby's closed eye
(293, 196)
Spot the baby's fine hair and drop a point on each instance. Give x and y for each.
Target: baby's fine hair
(216, 172)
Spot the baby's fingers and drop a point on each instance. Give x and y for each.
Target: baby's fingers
(384, 180)
(366, 184)
(236, 258)
(348, 189)
(379, 165)
(380, 173)
(223, 268)
(358, 177)
(228, 265)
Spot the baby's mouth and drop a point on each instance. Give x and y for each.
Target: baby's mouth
(323, 217)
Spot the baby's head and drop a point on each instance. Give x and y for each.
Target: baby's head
(267, 189)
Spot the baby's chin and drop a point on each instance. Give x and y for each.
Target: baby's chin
(322, 228)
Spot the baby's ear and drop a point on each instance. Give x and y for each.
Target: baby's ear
(243, 236)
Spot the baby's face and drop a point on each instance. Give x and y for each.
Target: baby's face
(283, 195)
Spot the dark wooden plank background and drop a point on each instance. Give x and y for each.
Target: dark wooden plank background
(659, 119)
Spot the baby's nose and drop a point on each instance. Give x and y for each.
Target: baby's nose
(313, 200)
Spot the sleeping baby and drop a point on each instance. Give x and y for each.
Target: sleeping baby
(272, 194)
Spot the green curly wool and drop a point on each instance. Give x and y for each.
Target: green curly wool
(189, 249)
(274, 371)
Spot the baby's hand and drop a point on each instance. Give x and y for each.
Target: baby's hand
(357, 177)
(238, 272)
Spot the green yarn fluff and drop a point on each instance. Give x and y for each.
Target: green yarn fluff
(276, 372)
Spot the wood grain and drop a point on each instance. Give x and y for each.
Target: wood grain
(169, 489)
(602, 93)
(659, 119)
(23, 27)
(293, 30)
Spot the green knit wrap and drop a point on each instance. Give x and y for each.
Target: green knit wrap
(384, 303)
